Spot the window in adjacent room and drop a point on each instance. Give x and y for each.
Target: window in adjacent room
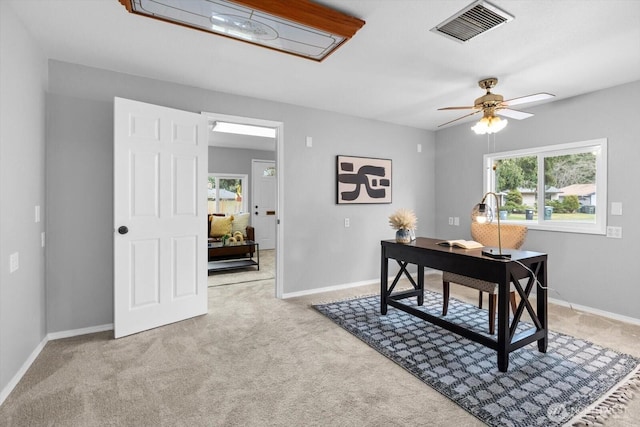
(559, 188)
(226, 193)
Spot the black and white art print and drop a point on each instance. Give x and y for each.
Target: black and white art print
(363, 180)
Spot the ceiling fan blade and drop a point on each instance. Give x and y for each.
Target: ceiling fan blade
(513, 114)
(457, 108)
(529, 98)
(460, 118)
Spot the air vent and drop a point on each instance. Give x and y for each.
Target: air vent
(473, 20)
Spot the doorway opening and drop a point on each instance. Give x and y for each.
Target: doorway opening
(229, 134)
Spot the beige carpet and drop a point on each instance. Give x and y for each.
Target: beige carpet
(253, 361)
(249, 274)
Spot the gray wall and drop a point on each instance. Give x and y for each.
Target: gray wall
(589, 270)
(318, 250)
(23, 71)
(237, 161)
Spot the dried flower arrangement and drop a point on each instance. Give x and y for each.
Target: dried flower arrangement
(403, 219)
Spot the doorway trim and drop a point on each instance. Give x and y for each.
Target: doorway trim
(279, 127)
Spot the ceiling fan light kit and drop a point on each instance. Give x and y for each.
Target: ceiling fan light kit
(489, 124)
(302, 28)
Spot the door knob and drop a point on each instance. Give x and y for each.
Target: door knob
(123, 230)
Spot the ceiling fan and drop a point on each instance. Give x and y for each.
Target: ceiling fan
(492, 103)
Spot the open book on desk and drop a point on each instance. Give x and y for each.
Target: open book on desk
(464, 244)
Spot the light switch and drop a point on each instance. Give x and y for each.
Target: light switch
(616, 208)
(14, 262)
(419, 148)
(37, 213)
(309, 142)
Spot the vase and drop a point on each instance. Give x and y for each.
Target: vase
(403, 236)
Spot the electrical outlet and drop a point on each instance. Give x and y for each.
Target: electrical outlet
(614, 232)
(456, 220)
(14, 262)
(347, 223)
(450, 220)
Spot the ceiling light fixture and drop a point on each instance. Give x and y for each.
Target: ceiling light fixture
(241, 129)
(300, 27)
(489, 124)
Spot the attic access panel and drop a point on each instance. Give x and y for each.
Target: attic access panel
(301, 28)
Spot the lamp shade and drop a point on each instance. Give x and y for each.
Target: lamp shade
(482, 213)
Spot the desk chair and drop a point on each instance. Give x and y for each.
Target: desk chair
(512, 237)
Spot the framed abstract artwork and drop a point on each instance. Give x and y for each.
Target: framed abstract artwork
(362, 180)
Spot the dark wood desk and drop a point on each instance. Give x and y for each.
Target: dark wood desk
(425, 252)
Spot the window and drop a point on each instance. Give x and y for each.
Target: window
(574, 179)
(226, 193)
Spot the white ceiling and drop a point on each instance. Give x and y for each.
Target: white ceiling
(394, 69)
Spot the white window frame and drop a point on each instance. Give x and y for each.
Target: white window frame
(245, 187)
(597, 146)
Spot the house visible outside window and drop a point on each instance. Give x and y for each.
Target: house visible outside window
(559, 188)
(226, 193)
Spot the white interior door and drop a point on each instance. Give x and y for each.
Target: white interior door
(263, 202)
(160, 216)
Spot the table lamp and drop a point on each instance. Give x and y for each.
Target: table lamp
(482, 214)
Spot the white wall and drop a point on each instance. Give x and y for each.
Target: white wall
(318, 250)
(23, 71)
(589, 270)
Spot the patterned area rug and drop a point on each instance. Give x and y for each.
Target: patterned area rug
(574, 383)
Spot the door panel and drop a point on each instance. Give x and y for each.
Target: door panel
(145, 286)
(184, 185)
(144, 187)
(184, 254)
(160, 167)
(264, 199)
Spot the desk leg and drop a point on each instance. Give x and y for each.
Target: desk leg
(541, 297)
(421, 284)
(503, 324)
(384, 275)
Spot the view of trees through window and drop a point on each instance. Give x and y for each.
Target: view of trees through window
(569, 183)
(225, 194)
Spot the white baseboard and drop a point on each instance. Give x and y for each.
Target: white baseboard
(591, 310)
(6, 391)
(329, 288)
(82, 331)
(346, 286)
(596, 311)
(23, 370)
